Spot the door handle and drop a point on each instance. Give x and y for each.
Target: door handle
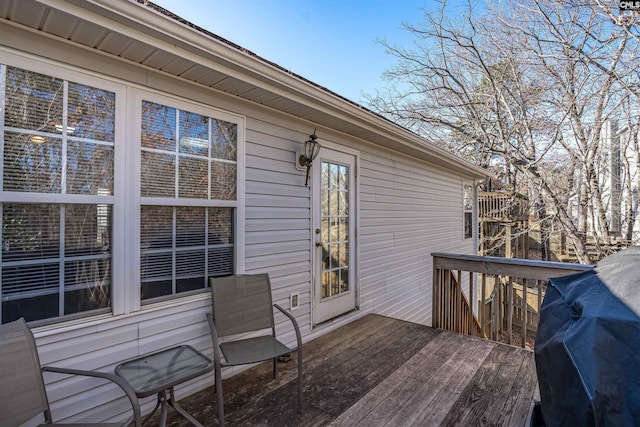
(318, 244)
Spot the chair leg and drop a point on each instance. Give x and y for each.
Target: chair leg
(300, 403)
(275, 361)
(219, 395)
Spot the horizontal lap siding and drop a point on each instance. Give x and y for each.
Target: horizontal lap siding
(103, 344)
(277, 220)
(277, 227)
(408, 209)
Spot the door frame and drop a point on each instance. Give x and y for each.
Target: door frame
(315, 224)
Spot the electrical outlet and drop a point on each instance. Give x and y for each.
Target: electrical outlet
(294, 301)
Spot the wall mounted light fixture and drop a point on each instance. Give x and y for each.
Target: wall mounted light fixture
(311, 150)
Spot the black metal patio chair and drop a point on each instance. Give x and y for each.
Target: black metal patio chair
(242, 304)
(23, 396)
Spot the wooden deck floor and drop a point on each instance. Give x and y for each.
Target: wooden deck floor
(379, 371)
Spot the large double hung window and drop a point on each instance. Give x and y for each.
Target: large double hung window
(56, 198)
(188, 192)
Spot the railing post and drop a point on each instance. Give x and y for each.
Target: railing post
(434, 297)
(499, 306)
(446, 321)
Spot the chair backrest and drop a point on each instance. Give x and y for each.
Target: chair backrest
(241, 303)
(22, 392)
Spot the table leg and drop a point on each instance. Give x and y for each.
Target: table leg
(163, 409)
(178, 408)
(152, 412)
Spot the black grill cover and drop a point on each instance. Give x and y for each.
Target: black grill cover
(587, 348)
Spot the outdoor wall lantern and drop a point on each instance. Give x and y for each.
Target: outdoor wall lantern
(311, 150)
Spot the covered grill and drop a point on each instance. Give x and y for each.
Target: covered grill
(587, 348)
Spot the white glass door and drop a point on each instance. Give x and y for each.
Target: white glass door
(334, 223)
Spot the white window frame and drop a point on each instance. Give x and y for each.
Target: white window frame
(134, 149)
(117, 200)
(465, 211)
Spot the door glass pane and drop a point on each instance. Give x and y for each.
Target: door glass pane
(334, 229)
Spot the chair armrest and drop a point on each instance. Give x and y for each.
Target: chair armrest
(295, 324)
(214, 337)
(128, 390)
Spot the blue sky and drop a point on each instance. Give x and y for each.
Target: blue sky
(330, 42)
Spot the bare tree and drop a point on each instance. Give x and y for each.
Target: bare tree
(531, 82)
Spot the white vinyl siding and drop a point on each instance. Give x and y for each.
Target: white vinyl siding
(407, 209)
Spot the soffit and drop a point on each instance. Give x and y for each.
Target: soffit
(145, 36)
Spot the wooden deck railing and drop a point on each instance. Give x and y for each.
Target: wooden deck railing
(509, 294)
(503, 207)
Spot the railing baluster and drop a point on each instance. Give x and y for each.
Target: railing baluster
(471, 332)
(459, 303)
(524, 313)
(448, 299)
(482, 311)
(510, 309)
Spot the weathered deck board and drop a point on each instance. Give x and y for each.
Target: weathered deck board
(380, 371)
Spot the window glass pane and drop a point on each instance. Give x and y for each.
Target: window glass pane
(30, 291)
(468, 198)
(87, 285)
(35, 257)
(156, 227)
(158, 126)
(92, 113)
(89, 168)
(32, 166)
(194, 134)
(468, 225)
(158, 175)
(87, 230)
(190, 227)
(193, 178)
(203, 143)
(156, 275)
(30, 231)
(33, 101)
(220, 226)
(220, 261)
(190, 268)
(184, 261)
(224, 140)
(223, 181)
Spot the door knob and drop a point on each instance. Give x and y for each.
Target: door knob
(318, 243)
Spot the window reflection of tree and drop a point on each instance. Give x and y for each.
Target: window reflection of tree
(198, 239)
(335, 223)
(42, 150)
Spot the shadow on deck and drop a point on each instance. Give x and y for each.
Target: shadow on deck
(380, 371)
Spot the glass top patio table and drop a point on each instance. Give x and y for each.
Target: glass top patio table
(156, 372)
